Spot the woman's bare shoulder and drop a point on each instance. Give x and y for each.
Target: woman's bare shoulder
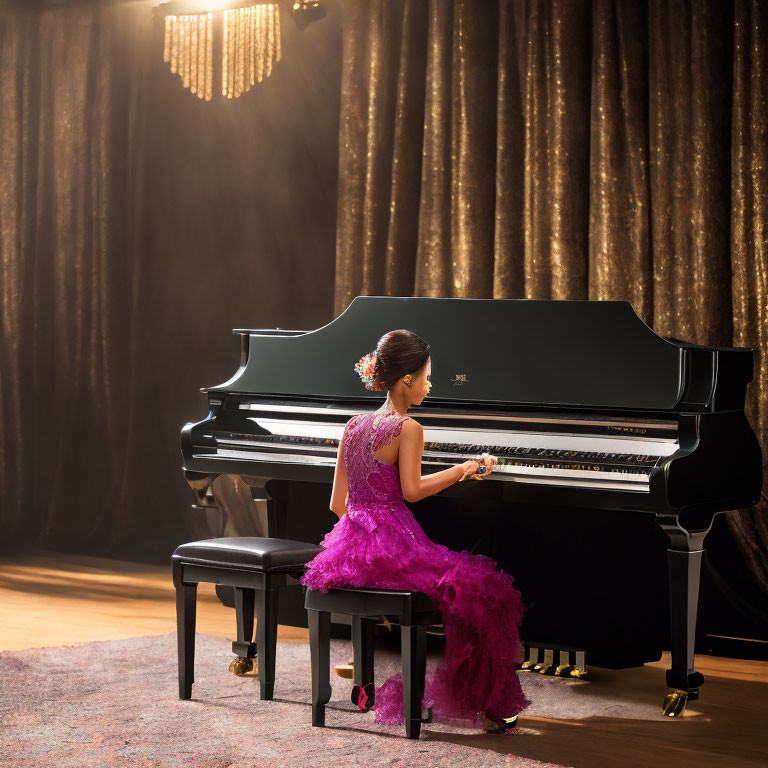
(412, 427)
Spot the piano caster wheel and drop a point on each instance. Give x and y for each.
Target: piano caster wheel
(426, 715)
(244, 667)
(674, 703)
(346, 670)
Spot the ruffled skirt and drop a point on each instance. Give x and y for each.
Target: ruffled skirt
(382, 546)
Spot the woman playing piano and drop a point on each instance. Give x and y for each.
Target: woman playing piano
(378, 543)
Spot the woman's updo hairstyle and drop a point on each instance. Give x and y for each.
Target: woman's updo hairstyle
(398, 353)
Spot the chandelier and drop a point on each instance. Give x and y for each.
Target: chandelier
(222, 52)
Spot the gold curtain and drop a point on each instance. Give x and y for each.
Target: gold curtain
(749, 256)
(69, 174)
(138, 226)
(612, 149)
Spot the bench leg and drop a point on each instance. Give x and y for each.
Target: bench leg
(186, 597)
(320, 654)
(362, 646)
(414, 653)
(244, 608)
(266, 639)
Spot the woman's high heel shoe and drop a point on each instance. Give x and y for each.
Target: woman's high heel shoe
(498, 724)
(363, 696)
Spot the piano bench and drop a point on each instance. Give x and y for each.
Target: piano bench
(257, 568)
(413, 611)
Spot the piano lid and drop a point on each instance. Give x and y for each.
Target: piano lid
(524, 351)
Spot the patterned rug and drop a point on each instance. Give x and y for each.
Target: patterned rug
(116, 704)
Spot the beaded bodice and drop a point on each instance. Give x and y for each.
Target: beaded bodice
(371, 481)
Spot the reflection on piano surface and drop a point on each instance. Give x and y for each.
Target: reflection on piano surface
(604, 432)
(566, 455)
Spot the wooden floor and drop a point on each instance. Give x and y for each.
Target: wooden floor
(50, 599)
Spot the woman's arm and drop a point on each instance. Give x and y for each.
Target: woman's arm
(340, 481)
(416, 487)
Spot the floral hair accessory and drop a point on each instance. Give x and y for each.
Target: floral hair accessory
(366, 369)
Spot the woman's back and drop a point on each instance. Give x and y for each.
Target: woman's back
(368, 436)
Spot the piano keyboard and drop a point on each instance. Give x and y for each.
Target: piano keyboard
(544, 458)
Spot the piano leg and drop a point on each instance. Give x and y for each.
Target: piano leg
(684, 562)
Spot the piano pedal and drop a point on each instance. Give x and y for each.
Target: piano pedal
(531, 660)
(571, 662)
(577, 672)
(564, 668)
(579, 664)
(346, 671)
(674, 703)
(547, 666)
(244, 667)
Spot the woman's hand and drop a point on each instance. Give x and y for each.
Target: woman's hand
(472, 465)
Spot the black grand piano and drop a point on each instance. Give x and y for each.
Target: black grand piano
(616, 449)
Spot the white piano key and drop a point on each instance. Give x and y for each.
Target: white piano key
(623, 481)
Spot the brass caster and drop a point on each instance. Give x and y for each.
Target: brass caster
(346, 670)
(243, 667)
(675, 702)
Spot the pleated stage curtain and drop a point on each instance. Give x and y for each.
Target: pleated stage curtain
(138, 226)
(70, 176)
(613, 149)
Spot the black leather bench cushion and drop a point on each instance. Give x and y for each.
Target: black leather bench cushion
(255, 552)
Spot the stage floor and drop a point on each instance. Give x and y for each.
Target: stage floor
(51, 599)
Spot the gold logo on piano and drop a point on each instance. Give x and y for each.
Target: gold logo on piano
(628, 430)
(459, 379)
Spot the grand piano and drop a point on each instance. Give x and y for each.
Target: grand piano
(616, 449)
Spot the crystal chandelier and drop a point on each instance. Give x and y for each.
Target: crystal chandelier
(222, 52)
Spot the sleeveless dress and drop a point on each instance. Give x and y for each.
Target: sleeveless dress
(378, 543)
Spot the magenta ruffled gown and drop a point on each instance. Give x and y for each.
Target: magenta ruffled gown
(378, 543)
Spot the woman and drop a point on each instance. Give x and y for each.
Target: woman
(378, 543)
